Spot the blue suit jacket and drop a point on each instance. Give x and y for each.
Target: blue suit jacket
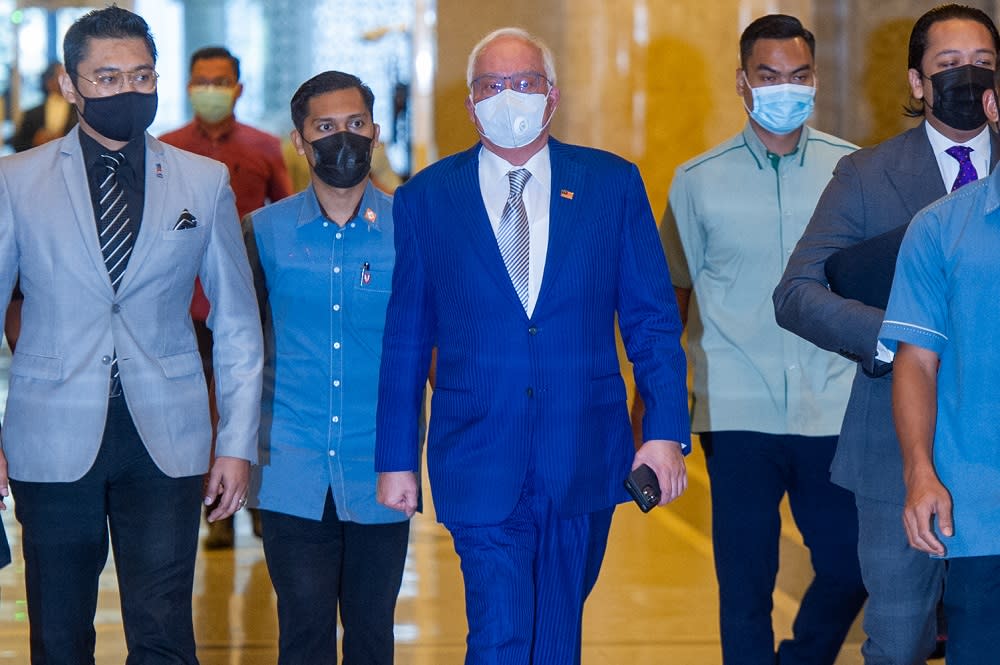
(515, 394)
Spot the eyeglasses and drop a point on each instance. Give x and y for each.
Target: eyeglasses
(489, 85)
(113, 82)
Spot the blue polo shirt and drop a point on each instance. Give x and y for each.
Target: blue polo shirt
(324, 291)
(946, 298)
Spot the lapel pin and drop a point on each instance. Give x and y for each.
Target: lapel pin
(566, 194)
(159, 170)
(370, 217)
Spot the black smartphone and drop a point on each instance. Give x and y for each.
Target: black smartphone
(644, 488)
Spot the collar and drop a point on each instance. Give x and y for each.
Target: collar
(220, 131)
(310, 210)
(134, 151)
(494, 167)
(980, 143)
(763, 156)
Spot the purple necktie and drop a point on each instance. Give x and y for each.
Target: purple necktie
(966, 171)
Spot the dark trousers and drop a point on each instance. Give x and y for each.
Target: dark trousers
(904, 586)
(750, 472)
(316, 567)
(153, 522)
(526, 580)
(972, 605)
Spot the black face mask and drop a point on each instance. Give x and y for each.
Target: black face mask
(120, 117)
(342, 159)
(958, 96)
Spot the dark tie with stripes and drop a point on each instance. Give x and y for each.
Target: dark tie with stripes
(115, 234)
(512, 236)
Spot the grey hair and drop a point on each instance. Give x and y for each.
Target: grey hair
(548, 60)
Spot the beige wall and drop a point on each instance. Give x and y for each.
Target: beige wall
(653, 80)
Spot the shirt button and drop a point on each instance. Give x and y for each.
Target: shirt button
(533, 330)
(336, 270)
(336, 345)
(333, 453)
(336, 384)
(106, 360)
(339, 235)
(529, 392)
(325, 224)
(116, 308)
(353, 224)
(336, 419)
(336, 308)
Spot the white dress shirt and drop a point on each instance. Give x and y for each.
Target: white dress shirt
(495, 187)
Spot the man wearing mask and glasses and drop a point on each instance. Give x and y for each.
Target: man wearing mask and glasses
(107, 429)
(529, 434)
(767, 404)
(257, 175)
(834, 293)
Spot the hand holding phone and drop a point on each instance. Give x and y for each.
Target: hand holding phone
(644, 488)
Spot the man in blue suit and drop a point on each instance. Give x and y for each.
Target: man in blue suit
(513, 259)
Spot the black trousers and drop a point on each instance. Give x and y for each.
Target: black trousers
(153, 524)
(316, 567)
(750, 472)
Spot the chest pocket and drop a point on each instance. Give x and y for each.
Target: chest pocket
(369, 300)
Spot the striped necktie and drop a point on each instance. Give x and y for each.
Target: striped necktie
(512, 236)
(115, 235)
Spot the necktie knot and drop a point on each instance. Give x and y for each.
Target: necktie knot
(112, 160)
(966, 169)
(518, 179)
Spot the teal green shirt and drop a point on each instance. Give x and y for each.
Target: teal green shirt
(734, 217)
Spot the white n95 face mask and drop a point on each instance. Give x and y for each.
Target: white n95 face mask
(512, 119)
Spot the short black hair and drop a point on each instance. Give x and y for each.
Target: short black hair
(324, 83)
(213, 52)
(918, 40)
(773, 26)
(109, 23)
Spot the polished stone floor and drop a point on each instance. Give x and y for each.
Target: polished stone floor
(655, 600)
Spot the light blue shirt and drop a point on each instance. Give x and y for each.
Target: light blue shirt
(324, 290)
(734, 217)
(946, 298)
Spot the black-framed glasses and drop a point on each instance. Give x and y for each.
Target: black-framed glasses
(489, 85)
(112, 82)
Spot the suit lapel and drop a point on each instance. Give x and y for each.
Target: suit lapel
(74, 173)
(466, 196)
(916, 176)
(152, 209)
(567, 182)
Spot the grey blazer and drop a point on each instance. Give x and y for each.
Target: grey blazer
(872, 191)
(72, 319)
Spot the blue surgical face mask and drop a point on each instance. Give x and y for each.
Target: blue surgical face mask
(781, 109)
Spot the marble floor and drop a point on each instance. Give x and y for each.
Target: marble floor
(655, 600)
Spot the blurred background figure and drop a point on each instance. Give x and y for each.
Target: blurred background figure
(49, 120)
(257, 175)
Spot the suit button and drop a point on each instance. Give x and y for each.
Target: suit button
(533, 330)
(529, 392)
(106, 360)
(116, 308)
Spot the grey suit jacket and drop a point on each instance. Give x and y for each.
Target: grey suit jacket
(73, 321)
(872, 191)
